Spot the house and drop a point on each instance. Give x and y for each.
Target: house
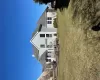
(43, 43)
(44, 37)
(46, 75)
(47, 18)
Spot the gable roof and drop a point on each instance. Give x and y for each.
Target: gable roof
(44, 29)
(42, 57)
(36, 51)
(38, 29)
(42, 19)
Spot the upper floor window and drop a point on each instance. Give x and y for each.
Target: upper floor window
(49, 18)
(42, 35)
(42, 46)
(49, 22)
(48, 35)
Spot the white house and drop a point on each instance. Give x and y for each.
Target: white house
(47, 18)
(44, 37)
(43, 43)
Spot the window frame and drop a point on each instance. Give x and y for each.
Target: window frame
(49, 35)
(49, 46)
(49, 18)
(42, 35)
(49, 22)
(48, 60)
(55, 34)
(42, 45)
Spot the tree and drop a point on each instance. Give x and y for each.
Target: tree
(43, 1)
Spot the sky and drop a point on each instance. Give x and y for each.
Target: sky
(18, 20)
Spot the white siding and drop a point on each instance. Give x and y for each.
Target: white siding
(37, 41)
(45, 40)
(53, 16)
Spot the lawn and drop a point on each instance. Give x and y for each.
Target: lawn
(79, 57)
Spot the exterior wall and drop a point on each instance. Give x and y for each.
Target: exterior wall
(36, 40)
(52, 55)
(46, 41)
(53, 16)
(44, 29)
(43, 19)
(49, 45)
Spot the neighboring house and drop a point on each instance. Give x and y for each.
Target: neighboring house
(46, 75)
(47, 18)
(43, 43)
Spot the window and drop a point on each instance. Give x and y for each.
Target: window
(49, 52)
(48, 60)
(55, 34)
(49, 46)
(42, 46)
(42, 35)
(48, 35)
(49, 22)
(49, 18)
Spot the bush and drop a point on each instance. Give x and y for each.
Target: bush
(55, 23)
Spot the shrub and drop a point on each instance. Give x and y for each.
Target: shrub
(55, 23)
